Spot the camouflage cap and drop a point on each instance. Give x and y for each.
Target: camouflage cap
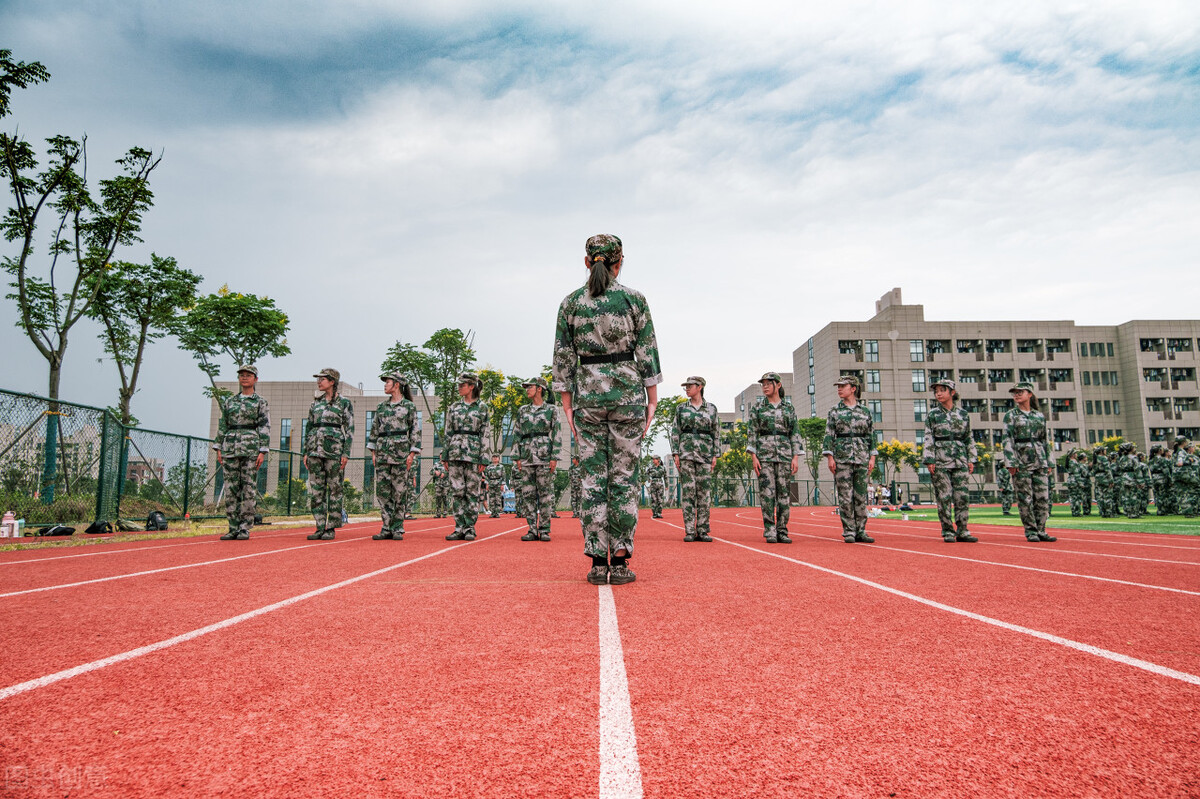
(1126, 446)
(399, 378)
(948, 383)
(699, 381)
(248, 368)
(1180, 439)
(536, 381)
(770, 376)
(1024, 386)
(469, 377)
(604, 244)
(332, 374)
(847, 380)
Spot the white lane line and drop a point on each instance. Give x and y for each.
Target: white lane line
(620, 774)
(66, 674)
(1023, 568)
(214, 540)
(171, 568)
(1117, 657)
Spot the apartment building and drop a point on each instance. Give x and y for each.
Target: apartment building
(1137, 379)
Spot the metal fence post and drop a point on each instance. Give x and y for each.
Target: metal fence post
(187, 478)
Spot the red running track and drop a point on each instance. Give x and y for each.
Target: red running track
(910, 668)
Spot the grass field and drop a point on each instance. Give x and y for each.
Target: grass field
(1062, 519)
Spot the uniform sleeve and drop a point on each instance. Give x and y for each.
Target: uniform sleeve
(716, 431)
(264, 426)
(414, 430)
(485, 441)
(645, 349)
(373, 433)
(348, 425)
(929, 447)
(566, 360)
(1010, 458)
(797, 442)
(676, 430)
(752, 431)
(308, 429)
(222, 426)
(555, 434)
(972, 450)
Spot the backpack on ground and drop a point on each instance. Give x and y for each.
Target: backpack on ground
(156, 521)
(99, 527)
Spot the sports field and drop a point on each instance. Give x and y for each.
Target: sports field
(907, 668)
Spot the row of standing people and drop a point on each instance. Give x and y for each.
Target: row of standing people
(1122, 482)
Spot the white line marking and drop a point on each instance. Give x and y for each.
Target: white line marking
(50, 679)
(620, 774)
(1117, 657)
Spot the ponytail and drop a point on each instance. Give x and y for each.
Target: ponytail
(600, 277)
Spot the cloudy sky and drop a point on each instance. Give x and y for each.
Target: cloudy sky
(384, 169)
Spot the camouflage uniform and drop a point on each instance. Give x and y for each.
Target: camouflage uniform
(1127, 469)
(1005, 486)
(1161, 472)
(774, 438)
(1187, 477)
(605, 356)
(326, 441)
(656, 485)
(394, 434)
(538, 429)
(850, 439)
(1078, 482)
(493, 475)
(951, 450)
(696, 441)
(1144, 481)
(576, 475)
(464, 453)
(1027, 449)
(243, 431)
(1102, 473)
(441, 489)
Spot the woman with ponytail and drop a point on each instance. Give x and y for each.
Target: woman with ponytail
(606, 371)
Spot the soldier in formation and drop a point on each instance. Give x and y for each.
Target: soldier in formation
(1187, 476)
(656, 486)
(538, 430)
(849, 450)
(1161, 472)
(949, 454)
(326, 450)
(1079, 482)
(243, 440)
(606, 370)
(774, 446)
(1027, 457)
(1005, 485)
(493, 475)
(440, 489)
(465, 456)
(1127, 470)
(394, 443)
(1102, 478)
(695, 443)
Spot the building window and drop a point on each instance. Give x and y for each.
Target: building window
(847, 347)
(873, 381)
(1087, 378)
(1104, 377)
(876, 409)
(1116, 407)
(918, 380)
(871, 350)
(920, 408)
(367, 432)
(916, 351)
(1107, 408)
(1109, 347)
(1082, 349)
(1087, 407)
(1091, 433)
(1179, 345)
(1027, 344)
(1114, 378)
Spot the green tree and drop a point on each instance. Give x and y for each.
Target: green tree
(812, 433)
(734, 463)
(893, 455)
(138, 304)
(434, 368)
(243, 327)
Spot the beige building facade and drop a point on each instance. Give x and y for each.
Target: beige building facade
(1137, 379)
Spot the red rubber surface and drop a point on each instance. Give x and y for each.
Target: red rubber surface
(475, 672)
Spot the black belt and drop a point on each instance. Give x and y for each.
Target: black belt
(241, 427)
(325, 424)
(387, 433)
(1026, 440)
(772, 432)
(461, 432)
(615, 358)
(853, 435)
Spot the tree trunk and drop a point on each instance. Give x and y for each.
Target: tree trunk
(50, 463)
